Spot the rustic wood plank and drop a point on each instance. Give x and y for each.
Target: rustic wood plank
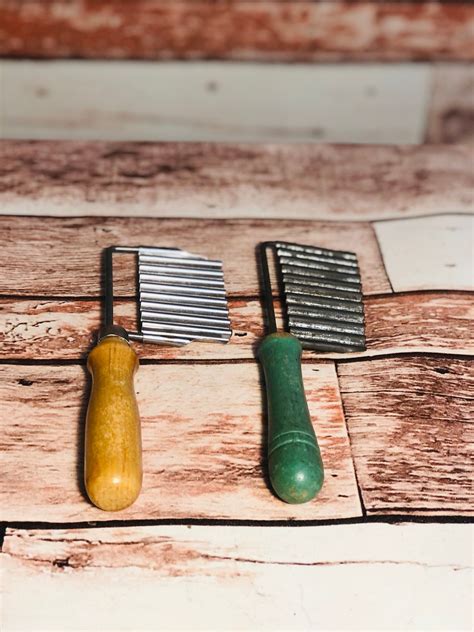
(57, 257)
(411, 432)
(222, 180)
(451, 113)
(219, 578)
(203, 456)
(267, 30)
(428, 253)
(419, 323)
(215, 101)
(67, 329)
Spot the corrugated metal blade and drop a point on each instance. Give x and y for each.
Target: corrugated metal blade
(181, 298)
(323, 297)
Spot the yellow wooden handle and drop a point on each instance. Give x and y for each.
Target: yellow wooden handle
(113, 458)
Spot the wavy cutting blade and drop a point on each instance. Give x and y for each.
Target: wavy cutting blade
(181, 296)
(322, 293)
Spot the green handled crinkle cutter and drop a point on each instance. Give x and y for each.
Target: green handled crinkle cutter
(323, 311)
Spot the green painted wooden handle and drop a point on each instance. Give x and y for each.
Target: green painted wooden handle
(294, 460)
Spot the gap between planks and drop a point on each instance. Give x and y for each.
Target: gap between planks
(419, 517)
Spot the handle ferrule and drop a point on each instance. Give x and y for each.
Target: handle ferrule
(294, 460)
(113, 461)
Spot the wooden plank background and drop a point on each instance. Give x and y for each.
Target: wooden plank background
(51, 313)
(394, 423)
(324, 182)
(240, 29)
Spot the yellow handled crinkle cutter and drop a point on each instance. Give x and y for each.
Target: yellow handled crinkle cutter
(181, 298)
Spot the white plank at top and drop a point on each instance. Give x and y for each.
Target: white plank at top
(214, 101)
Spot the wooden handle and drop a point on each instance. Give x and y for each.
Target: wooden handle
(113, 459)
(294, 460)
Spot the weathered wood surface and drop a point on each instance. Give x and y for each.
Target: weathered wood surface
(66, 329)
(206, 180)
(451, 113)
(223, 578)
(411, 432)
(428, 253)
(215, 101)
(407, 418)
(203, 456)
(241, 29)
(62, 257)
(409, 421)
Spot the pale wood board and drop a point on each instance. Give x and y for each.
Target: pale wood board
(67, 329)
(57, 256)
(451, 111)
(203, 455)
(412, 434)
(214, 101)
(228, 181)
(428, 253)
(346, 577)
(238, 29)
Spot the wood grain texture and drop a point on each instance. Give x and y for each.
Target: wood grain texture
(411, 431)
(428, 253)
(55, 257)
(223, 578)
(451, 112)
(203, 456)
(240, 29)
(215, 101)
(228, 181)
(66, 329)
(112, 444)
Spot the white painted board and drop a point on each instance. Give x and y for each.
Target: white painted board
(214, 101)
(347, 577)
(428, 253)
